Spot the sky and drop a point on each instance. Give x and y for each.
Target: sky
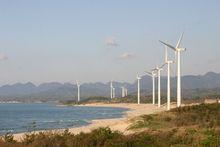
(99, 40)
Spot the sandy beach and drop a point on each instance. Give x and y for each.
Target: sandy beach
(120, 124)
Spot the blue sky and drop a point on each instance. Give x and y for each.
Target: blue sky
(97, 40)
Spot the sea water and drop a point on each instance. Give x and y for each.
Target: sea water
(26, 117)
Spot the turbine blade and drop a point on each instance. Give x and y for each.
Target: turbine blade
(154, 69)
(148, 73)
(163, 65)
(166, 54)
(179, 41)
(170, 46)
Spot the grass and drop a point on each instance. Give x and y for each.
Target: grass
(202, 116)
(197, 125)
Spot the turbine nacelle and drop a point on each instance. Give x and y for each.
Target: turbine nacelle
(169, 62)
(138, 77)
(77, 83)
(111, 84)
(180, 49)
(152, 73)
(160, 68)
(177, 48)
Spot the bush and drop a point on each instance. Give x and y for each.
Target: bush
(9, 138)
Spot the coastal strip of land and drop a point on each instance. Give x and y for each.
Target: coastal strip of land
(119, 124)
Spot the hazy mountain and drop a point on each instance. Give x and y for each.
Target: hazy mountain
(191, 85)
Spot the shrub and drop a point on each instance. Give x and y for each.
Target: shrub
(9, 138)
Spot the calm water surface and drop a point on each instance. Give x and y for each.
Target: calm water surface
(23, 117)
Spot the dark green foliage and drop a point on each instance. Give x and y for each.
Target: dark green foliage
(87, 101)
(133, 99)
(101, 137)
(104, 137)
(212, 138)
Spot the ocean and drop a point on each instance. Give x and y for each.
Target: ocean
(26, 117)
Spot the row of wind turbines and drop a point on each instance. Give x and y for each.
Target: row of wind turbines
(156, 72)
(124, 91)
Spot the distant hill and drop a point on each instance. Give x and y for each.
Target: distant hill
(193, 86)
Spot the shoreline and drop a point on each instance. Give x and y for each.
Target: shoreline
(119, 124)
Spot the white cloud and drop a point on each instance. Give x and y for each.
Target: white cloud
(126, 56)
(3, 56)
(110, 41)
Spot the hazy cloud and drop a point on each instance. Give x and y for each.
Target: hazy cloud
(111, 41)
(3, 56)
(126, 56)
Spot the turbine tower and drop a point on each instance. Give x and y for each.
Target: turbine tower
(177, 50)
(78, 86)
(113, 92)
(168, 62)
(152, 74)
(138, 85)
(158, 69)
(111, 87)
(126, 92)
(122, 92)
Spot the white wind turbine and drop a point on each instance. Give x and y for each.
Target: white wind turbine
(138, 86)
(152, 74)
(168, 62)
(123, 92)
(159, 69)
(111, 87)
(126, 92)
(113, 90)
(78, 86)
(178, 50)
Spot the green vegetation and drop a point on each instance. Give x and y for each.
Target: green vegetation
(133, 99)
(97, 99)
(87, 101)
(197, 125)
(191, 96)
(201, 116)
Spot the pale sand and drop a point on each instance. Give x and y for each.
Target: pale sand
(120, 124)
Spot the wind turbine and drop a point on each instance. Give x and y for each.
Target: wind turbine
(138, 85)
(177, 50)
(78, 86)
(122, 92)
(126, 92)
(113, 90)
(111, 87)
(159, 69)
(152, 74)
(168, 62)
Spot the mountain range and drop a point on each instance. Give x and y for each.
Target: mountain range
(192, 86)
